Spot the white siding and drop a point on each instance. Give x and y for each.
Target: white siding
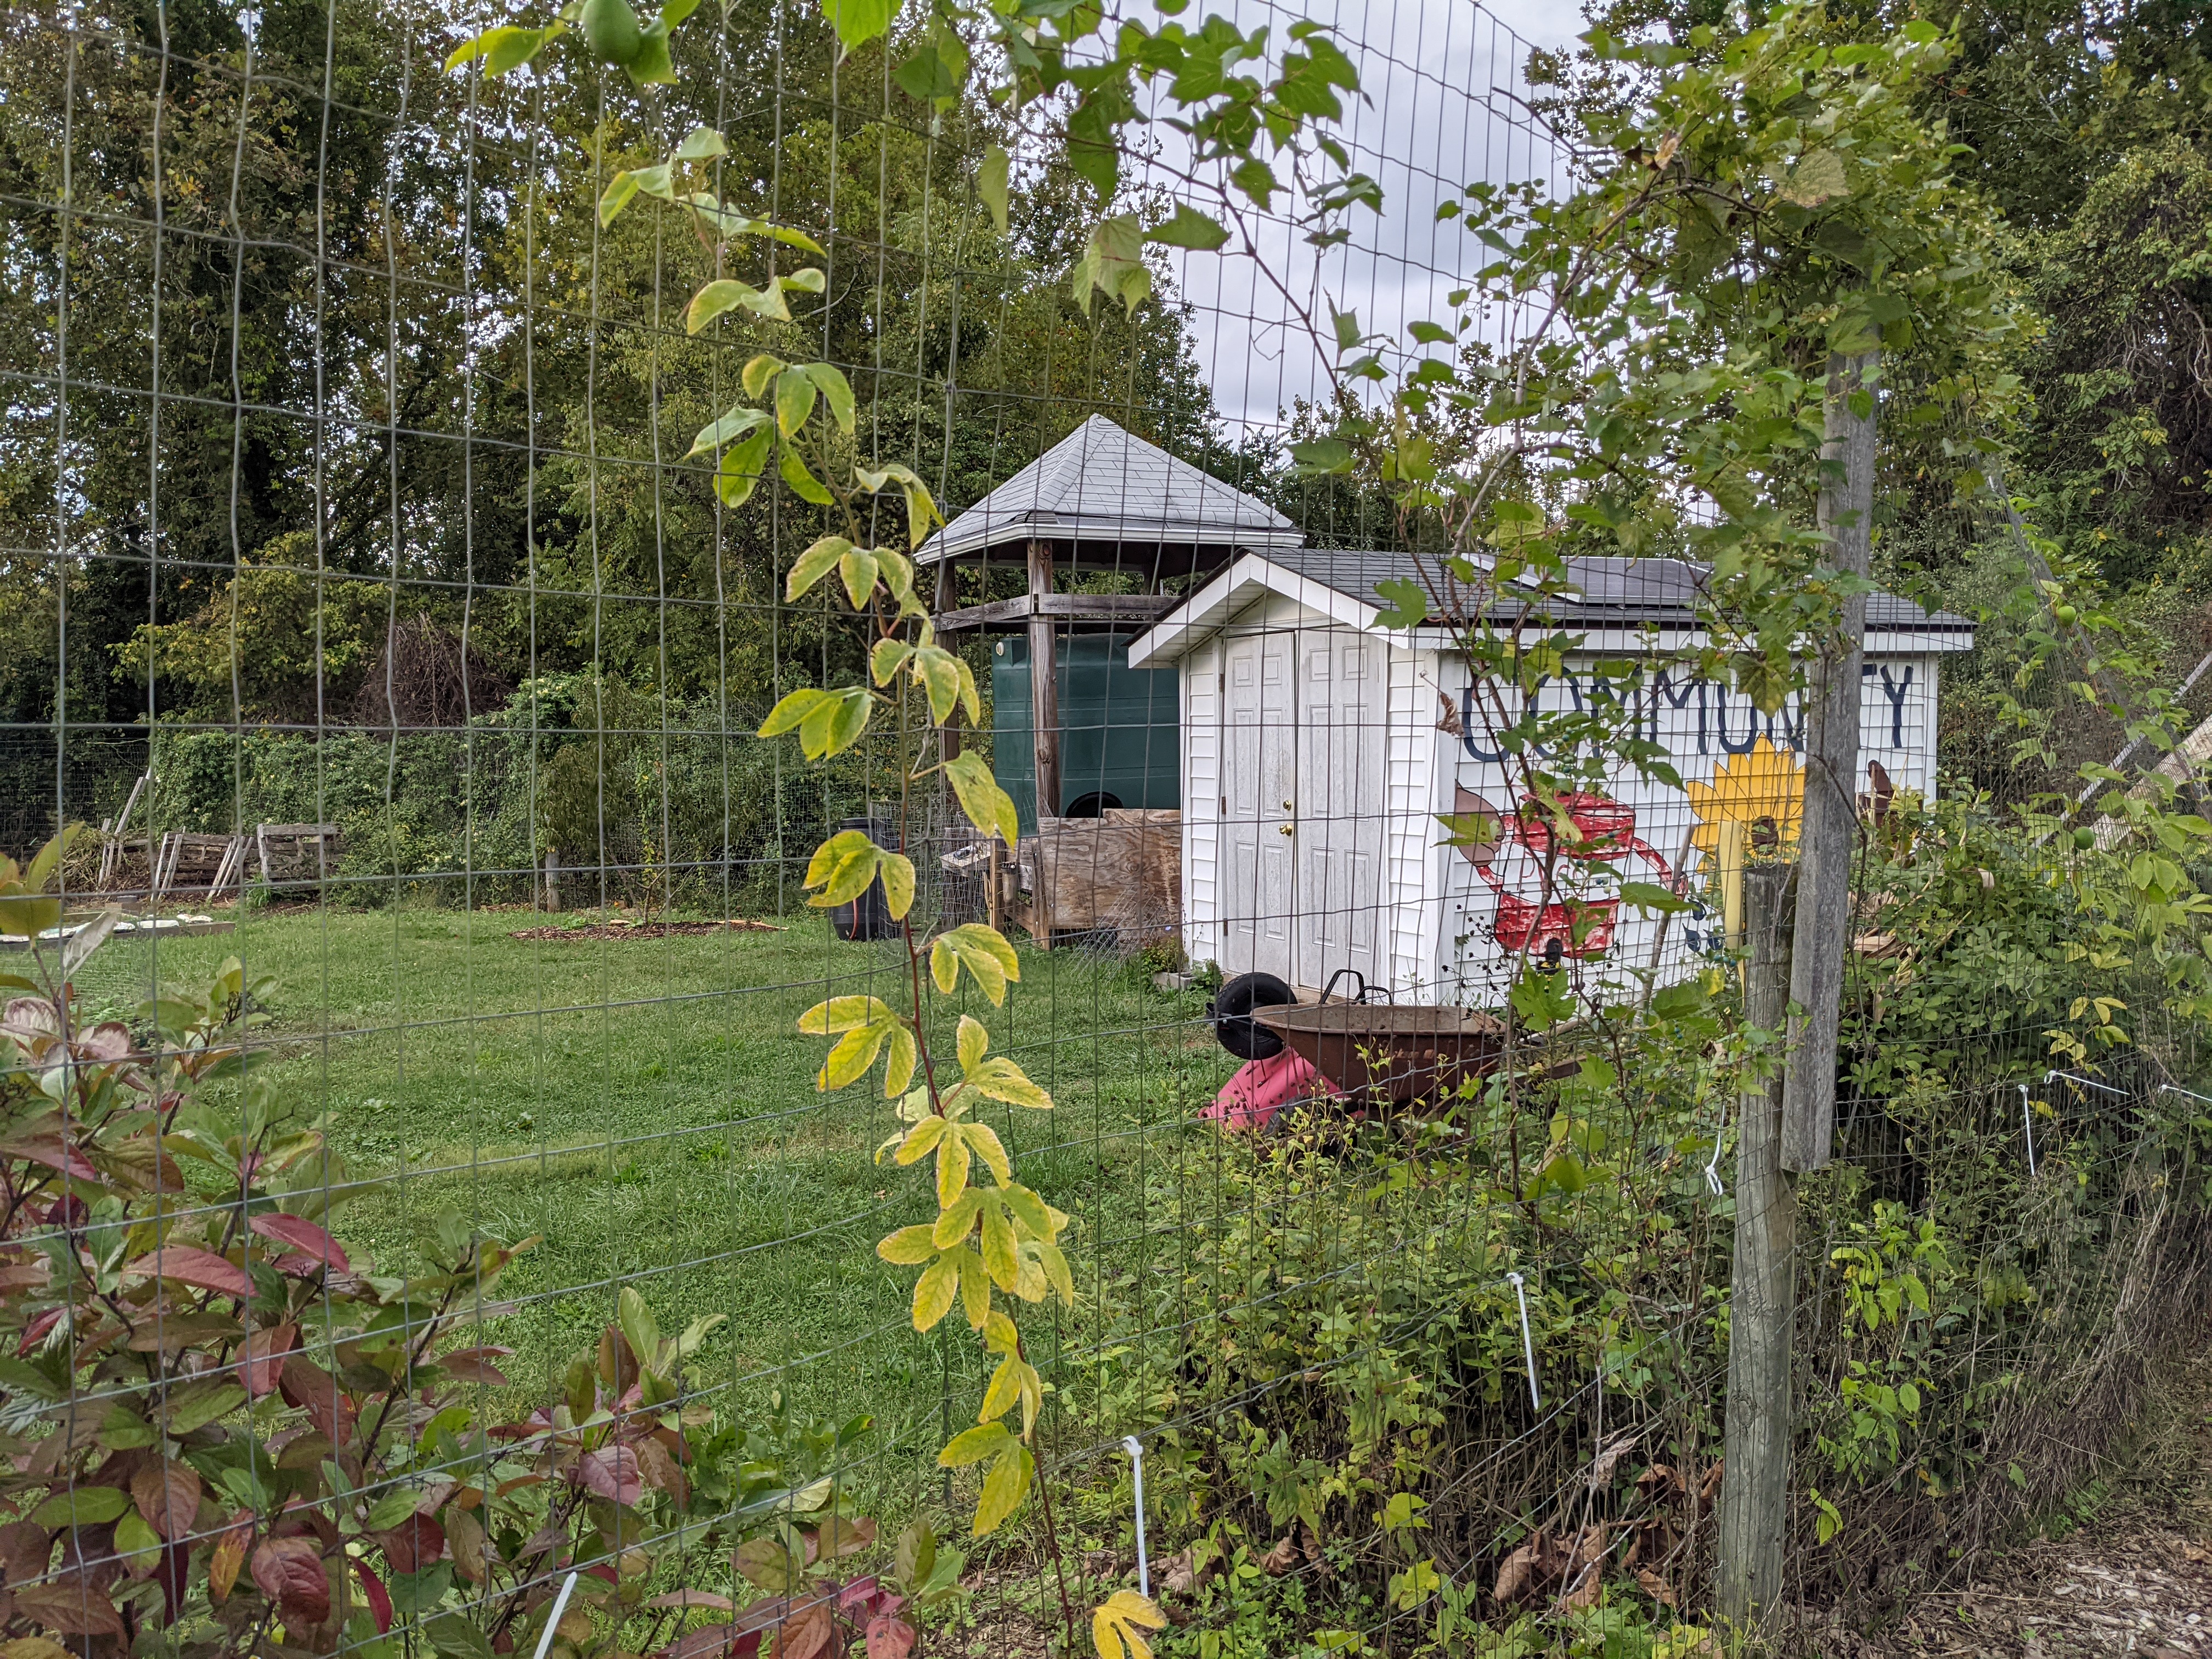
(1202, 801)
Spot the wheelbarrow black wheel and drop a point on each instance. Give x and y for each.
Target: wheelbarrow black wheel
(1233, 1024)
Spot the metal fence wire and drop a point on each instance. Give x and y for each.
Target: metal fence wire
(495, 1276)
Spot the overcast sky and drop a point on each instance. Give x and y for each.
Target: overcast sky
(1433, 119)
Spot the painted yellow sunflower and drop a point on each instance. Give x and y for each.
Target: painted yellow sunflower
(1767, 783)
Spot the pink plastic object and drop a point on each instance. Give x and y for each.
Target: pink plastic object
(1261, 1088)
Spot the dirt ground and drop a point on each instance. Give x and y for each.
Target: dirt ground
(2127, 1569)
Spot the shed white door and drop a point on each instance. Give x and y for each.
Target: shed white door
(1303, 754)
(1259, 750)
(1343, 703)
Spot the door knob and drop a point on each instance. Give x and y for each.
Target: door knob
(1287, 807)
(1283, 829)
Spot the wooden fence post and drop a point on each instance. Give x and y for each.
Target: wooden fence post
(1828, 834)
(1762, 1302)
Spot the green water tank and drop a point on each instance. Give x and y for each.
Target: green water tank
(1120, 728)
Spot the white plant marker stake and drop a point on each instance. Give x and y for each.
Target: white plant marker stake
(2176, 1089)
(559, 1605)
(2027, 1124)
(1527, 1341)
(1719, 1188)
(2086, 1081)
(1135, 1448)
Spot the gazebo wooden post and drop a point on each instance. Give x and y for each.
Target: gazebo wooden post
(1044, 685)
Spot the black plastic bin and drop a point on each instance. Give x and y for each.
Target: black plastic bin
(868, 916)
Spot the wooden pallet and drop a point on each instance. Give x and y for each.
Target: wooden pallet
(297, 854)
(202, 865)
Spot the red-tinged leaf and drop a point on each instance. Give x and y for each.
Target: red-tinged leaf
(289, 1572)
(168, 1496)
(474, 1365)
(35, 1332)
(314, 1390)
(602, 1571)
(889, 1636)
(72, 1607)
(266, 1350)
(379, 1599)
(610, 1472)
(53, 1151)
(691, 1598)
(860, 1590)
(414, 1544)
(302, 1236)
(198, 1268)
(808, 1634)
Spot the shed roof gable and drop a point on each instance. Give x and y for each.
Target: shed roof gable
(1617, 596)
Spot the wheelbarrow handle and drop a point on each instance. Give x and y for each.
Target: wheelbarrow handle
(1330, 989)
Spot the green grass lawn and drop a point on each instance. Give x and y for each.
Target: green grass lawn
(648, 1107)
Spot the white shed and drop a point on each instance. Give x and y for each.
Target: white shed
(1319, 750)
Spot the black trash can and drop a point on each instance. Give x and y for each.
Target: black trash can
(868, 916)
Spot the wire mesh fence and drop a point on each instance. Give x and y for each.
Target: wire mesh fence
(424, 1226)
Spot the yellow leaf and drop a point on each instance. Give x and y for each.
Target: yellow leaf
(974, 1041)
(1000, 1258)
(951, 1165)
(855, 1052)
(919, 1140)
(975, 1288)
(988, 807)
(933, 1292)
(983, 1141)
(857, 570)
(1003, 1488)
(811, 565)
(954, 1220)
(844, 1014)
(898, 1070)
(909, 1246)
(1005, 1392)
(1116, 1623)
(898, 884)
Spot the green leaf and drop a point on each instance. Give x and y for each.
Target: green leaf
(758, 372)
(728, 295)
(639, 1328)
(926, 76)
(835, 390)
(811, 565)
(505, 48)
(804, 484)
(1409, 603)
(991, 185)
(921, 508)
(1818, 176)
(725, 222)
(858, 21)
(1317, 456)
(857, 570)
(739, 474)
(1542, 1000)
(1188, 228)
(82, 1506)
(1091, 150)
(704, 144)
(1114, 261)
(1649, 896)
(795, 394)
(988, 807)
(652, 181)
(652, 66)
(734, 423)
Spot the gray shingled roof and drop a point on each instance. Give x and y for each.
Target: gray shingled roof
(1100, 483)
(1630, 592)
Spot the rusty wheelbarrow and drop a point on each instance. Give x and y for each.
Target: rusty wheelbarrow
(1399, 1052)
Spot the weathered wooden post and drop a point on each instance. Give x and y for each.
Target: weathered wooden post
(1762, 1302)
(1044, 685)
(1828, 837)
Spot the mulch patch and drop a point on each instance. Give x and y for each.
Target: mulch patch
(648, 930)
